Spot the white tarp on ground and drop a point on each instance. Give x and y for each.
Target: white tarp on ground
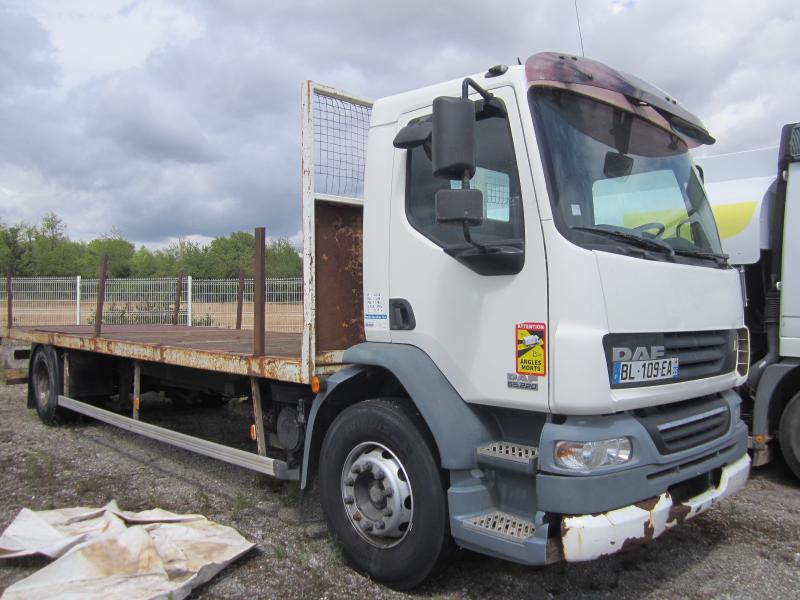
(109, 553)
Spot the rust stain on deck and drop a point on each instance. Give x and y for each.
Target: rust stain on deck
(207, 348)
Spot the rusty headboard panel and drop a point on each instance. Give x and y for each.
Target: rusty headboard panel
(338, 276)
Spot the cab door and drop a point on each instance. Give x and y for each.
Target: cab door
(486, 332)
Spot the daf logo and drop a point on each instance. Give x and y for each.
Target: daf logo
(638, 353)
(522, 382)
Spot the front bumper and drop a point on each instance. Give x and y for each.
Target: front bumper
(648, 474)
(587, 537)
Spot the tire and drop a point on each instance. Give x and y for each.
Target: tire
(392, 440)
(46, 384)
(789, 434)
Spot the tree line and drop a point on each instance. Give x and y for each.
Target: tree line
(45, 250)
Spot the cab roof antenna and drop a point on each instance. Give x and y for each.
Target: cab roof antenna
(578, 19)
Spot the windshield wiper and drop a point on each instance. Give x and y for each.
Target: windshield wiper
(720, 259)
(640, 241)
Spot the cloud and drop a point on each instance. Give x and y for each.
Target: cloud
(172, 119)
(25, 54)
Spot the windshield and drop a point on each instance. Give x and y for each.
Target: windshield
(617, 181)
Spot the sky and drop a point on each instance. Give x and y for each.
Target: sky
(169, 119)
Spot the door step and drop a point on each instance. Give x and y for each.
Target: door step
(502, 525)
(508, 456)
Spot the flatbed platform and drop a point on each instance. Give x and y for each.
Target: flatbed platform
(210, 348)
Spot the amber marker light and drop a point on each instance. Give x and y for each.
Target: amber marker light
(253, 435)
(316, 384)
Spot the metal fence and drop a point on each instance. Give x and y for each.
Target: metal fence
(203, 302)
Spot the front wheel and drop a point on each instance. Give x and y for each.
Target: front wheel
(382, 492)
(789, 434)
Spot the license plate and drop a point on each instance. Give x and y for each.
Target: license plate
(644, 370)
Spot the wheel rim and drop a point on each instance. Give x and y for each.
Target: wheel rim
(41, 384)
(376, 493)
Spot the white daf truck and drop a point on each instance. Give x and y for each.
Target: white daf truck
(755, 196)
(521, 335)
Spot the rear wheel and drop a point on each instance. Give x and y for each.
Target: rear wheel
(46, 384)
(382, 493)
(789, 434)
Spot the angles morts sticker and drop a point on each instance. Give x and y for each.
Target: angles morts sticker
(531, 340)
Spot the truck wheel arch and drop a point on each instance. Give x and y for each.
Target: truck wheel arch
(773, 394)
(456, 428)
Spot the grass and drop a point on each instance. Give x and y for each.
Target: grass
(153, 498)
(280, 551)
(203, 502)
(241, 502)
(305, 556)
(39, 468)
(87, 485)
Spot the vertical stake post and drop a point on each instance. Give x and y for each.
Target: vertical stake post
(101, 297)
(259, 291)
(10, 298)
(258, 416)
(65, 388)
(240, 299)
(178, 290)
(137, 388)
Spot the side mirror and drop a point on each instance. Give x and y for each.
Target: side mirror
(413, 135)
(459, 206)
(617, 165)
(453, 138)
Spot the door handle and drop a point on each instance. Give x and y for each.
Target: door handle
(401, 315)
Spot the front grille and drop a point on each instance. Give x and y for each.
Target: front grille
(700, 353)
(676, 427)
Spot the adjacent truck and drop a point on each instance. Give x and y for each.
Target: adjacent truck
(755, 197)
(521, 335)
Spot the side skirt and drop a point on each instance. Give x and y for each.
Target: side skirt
(262, 464)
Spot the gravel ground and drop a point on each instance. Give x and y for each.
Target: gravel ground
(748, 547)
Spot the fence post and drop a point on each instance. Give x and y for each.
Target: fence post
(10, 298)
(78, 300)
(189, 300)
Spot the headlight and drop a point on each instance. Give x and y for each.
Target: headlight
(584, 456)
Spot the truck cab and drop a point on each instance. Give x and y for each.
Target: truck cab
(550, 292)
(755, 196)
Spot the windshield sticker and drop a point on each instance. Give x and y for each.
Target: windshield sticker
(576, 210)
(531, 348)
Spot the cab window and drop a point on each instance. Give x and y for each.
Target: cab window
(497, 178)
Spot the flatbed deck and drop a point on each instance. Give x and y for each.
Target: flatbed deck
(210, 348)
